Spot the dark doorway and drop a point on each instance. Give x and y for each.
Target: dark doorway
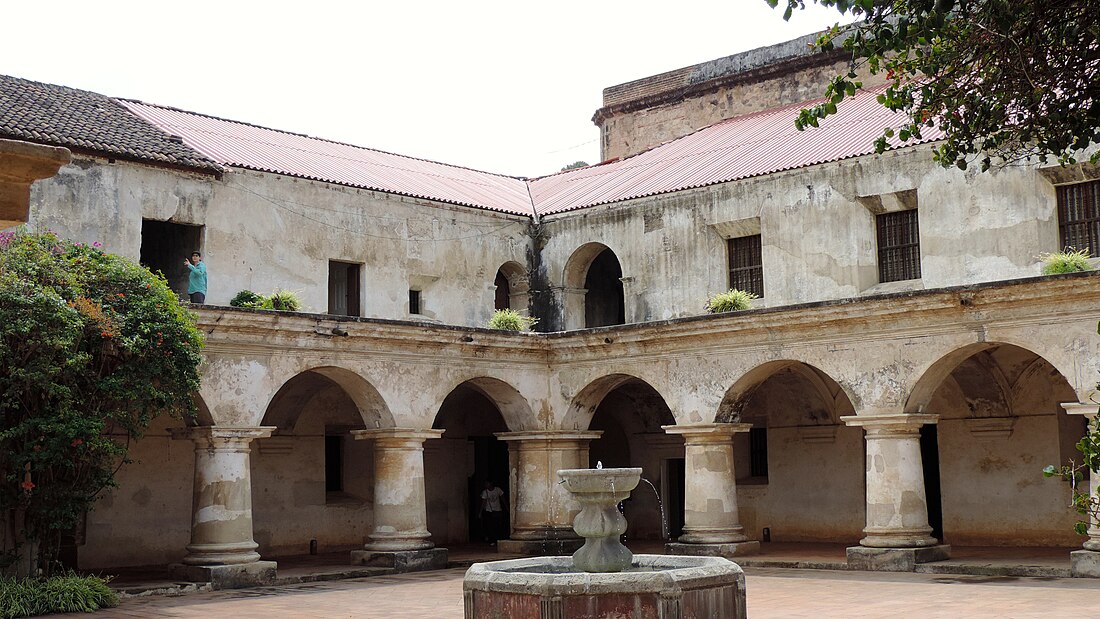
(490, 464)
(930, 457)
(504, 292)
(343, 288)
(674, 502)
(334, 463)
(164, 247)
(603, 303)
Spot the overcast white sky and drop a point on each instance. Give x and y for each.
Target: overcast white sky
(507, 87)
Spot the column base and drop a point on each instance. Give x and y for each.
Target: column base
(402, 560)
(894, 559)
(539, 547)
(236, 576)
(1084, 564)
(731, 549)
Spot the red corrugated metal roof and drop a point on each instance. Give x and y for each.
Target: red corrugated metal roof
(752, 145)
(248, 146)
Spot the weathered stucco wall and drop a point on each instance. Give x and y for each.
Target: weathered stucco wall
(265, 231)
(817, 231)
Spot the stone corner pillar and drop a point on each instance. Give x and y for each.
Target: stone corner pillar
(712, 523)
(898, 535)
(400, 537)
(222, 550)
(22, 163)
(541, 509)
(1086, 562)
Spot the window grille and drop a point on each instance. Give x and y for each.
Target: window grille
(1079, 216)
(746, 265)
(898, 246)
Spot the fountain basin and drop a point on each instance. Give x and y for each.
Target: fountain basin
(653, 587)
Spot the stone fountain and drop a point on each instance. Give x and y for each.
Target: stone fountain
(603, 579)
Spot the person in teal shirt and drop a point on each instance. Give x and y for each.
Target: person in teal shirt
(196, 282)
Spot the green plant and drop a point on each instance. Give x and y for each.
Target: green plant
(1068, 260)
(283, 300)
(730, 301)
(247, 298)
(510, 320)
(64, 593)
(92, 348)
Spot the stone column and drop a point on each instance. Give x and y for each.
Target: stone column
(400, 538)
(222, 550)
(572, 304)
(541, 509)
(1086, 562)
(22, 163)
(712, 525)
(897, 532)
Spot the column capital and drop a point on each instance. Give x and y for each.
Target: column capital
(707, 432)
(901, 423)
(1088, 409)
(549, 435)
(400, 434)
(222, 435)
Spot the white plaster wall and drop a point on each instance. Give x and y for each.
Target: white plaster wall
(146, 520)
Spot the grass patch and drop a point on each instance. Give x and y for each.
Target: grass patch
(64, 593)
(1068, 260)
(510, 320)
(730, 301)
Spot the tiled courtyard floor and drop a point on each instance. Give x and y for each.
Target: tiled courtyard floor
(773, 593)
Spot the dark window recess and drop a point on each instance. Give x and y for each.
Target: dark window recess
(898, 246)
(1079, 216)
(414, 301)
(603, 303)
(334, 464)
(164, 247)
(758, 452)
(343, 288)
(746, 264)
(504, 292)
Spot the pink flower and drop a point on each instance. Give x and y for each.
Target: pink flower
(28, 485)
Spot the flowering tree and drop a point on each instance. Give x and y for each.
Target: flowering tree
(92, 347)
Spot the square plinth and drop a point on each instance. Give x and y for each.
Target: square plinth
(733, 549)
(539, 547)
(402, 560)
(252, 574)
(1084, 564)
(894, 559)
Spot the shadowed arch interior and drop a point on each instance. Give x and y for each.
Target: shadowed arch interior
(510, 280)
(595, 268)
(288, 402)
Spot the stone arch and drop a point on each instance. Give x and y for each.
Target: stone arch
(512, 287)
(583, 405)
(836, 398)
(593, 288)
(283, 408)
(513, 407)
(202, 416)
(999, 420)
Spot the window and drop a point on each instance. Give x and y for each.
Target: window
(164, 247)
(1079, 216)
(758, 452)
(334, 463)
(898, 246)
(414, 301)
(746, 265)
(343, 288)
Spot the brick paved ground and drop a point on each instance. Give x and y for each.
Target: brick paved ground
(773, 593)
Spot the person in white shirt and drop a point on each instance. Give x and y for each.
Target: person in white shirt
(492, 512)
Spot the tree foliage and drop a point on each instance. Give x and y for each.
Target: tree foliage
(1004, 79)
(92, 347)
(576, 165)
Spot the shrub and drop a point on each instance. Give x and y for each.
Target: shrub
(730, 301)
(92, 348)
(247, 298)
(510, 320)
(1068, 260)
(283, 300)
(64, 593)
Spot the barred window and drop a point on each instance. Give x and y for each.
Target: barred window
(746, 265)
(1079, 216)
(898, 246)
